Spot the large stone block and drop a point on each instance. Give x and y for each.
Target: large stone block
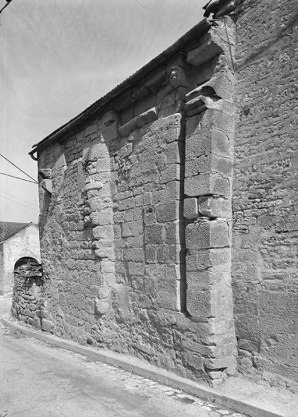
(211, 278)
(206, 164)
(149, 215)
(103, 165)
(47, 326)
(148, 116)
(91, 129)
(200, 259)
(125, 204)
(103, 232)
(29, 313)
(168, 211)
(215, 207)
(136, 268)
(207, 184)
(107, 266)
(128, 127)
(207, 234)
(222, 85)
(150, 254)
(196, 106)
(171, 173)
(168, 254)
(119, 217)
(154, 234)
(170, 128)
(127, 229)
(227, 362)
(109, 126)
(124, 101)
(140, 120)
(101, 306)
(156, 79)
(174, 153)
(102, 218)
(218, 120)
(194, 361)
(172, 232)
(96, 185)
(167, 289)
(226, 346)
(198, 302)
(190, 208)
(134, 228)
(206, 300)
(209, 48)
(94, 152)
(110, 118)
(222, 300)
(203, 140)
(134, 254)
(142, 170)
(104, 249)
(140, 92)
(193, 347)
(168, 191)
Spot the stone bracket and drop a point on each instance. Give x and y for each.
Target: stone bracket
(46, 181)
(207, 50)
(138, 121)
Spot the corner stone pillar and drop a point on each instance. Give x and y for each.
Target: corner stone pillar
(207, 208)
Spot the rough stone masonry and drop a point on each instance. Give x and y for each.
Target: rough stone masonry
(140, 249)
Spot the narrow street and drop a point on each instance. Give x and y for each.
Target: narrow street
(39, 380)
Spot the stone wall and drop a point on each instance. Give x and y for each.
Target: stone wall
(28, 303)
(136, 215)
(265, 230)
(180, 187)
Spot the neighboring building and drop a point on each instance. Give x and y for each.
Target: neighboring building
(17, 241)
(169, 207)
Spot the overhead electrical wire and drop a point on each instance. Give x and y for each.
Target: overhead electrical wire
(18, 168)
(18, 198)
(140, 3)
(19, 178)
(19, 203)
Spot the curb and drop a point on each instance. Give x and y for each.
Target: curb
(146, 370)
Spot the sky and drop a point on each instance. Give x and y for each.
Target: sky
(57, 58)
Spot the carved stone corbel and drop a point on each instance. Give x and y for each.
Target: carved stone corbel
(46, 181)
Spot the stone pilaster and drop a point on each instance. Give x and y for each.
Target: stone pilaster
(210, 119)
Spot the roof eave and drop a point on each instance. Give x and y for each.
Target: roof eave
(202, 27)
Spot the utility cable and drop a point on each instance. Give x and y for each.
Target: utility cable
(19, 203)
(19, 178)
(18, 198)
(140, 3)
(18, 168)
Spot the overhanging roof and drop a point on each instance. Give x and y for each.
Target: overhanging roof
(198, 30)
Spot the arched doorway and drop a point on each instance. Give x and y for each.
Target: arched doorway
(28, 275)
(26, 260)
(28, 290)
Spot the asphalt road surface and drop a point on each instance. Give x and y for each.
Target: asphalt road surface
(37, 380)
